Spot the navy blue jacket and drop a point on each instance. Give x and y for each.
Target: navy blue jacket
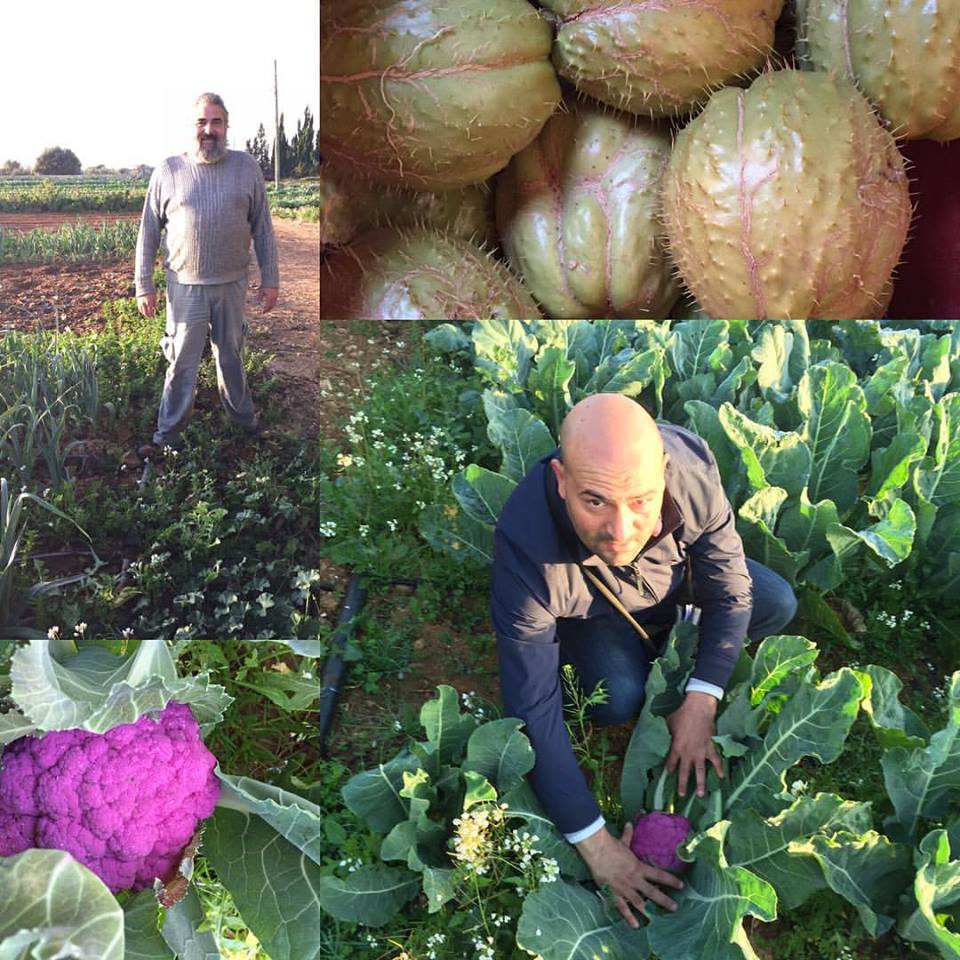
(537, 579)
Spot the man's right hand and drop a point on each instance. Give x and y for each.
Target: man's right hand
(614, 864)
(147, 305)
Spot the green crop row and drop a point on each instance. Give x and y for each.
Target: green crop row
(299, 200)
(21, 194)
(50, 195)
(80, 242)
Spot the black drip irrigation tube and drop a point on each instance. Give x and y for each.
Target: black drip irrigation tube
(335, 667)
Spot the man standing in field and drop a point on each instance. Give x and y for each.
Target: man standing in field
(616, 514)
(211, 201)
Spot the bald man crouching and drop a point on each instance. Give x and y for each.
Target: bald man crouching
(627, 501)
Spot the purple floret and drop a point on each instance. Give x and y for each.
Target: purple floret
(125, 803)
(656, 837)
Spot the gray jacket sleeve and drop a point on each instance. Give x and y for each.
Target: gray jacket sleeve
(261, 228)
(152, 223)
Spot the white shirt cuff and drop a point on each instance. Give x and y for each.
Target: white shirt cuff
(701, 686)
(594, 827)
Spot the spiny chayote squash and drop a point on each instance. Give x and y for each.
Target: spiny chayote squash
(431, 96)
(577, 215)
(904, 55)
(351, 205)
(787, 200)
(420, 274)
(660, 59)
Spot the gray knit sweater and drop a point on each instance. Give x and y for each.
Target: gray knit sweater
(210, 212)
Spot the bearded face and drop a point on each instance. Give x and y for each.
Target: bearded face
(210, 134)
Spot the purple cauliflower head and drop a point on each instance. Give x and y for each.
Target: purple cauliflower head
(656, 837)
(125, 803)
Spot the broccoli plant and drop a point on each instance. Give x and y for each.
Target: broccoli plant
(657, 835)
(752, 845)
(107, 792)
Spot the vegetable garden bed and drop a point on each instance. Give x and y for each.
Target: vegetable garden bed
(791, 404)
(835, 833)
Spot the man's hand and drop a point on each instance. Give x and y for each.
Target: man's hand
(692, 726)
(147, 305)
(613, 863)
(267, 298)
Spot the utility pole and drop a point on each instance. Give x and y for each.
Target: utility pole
(276, 130)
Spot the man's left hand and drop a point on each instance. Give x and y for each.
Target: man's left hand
(691, 727)
(267, 298)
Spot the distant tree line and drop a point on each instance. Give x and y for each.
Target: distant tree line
(299, 157)
(58, 161)
(54, 161)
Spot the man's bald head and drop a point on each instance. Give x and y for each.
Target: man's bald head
(612, 475)
(609, 425)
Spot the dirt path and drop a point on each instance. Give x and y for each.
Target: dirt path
(289, 331)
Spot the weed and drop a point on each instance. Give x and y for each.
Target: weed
(415, 430)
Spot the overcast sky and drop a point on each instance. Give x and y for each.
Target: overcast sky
(114, 80)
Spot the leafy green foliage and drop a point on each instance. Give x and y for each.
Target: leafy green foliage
(59, 684)
(935, 898)
(832, 468)
(571, 923)
(455, 812)
(404, 443)
(760, 845)
(72, 242)
(51, 903)
(73, 195)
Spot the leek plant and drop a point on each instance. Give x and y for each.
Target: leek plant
(13, 526)
(79, 242)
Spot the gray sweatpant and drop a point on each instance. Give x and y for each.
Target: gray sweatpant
(192, 309)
